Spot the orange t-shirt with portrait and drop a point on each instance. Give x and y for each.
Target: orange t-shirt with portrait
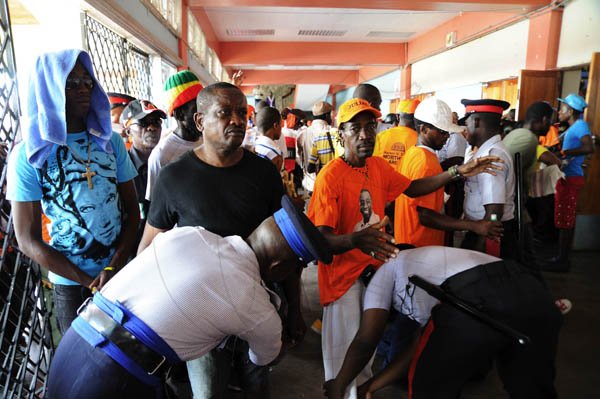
(348, 199)
(392, 144)
(418, 162)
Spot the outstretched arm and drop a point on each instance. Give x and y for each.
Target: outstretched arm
(435, 220)
(429, 184)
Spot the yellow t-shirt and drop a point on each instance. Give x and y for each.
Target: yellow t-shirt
(418, 162)
(392, 144)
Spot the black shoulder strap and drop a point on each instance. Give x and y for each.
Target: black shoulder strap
(330, 142)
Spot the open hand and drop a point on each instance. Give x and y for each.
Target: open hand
(480, 165)
(238, 78)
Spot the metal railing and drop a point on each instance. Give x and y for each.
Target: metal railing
(25, 333)
(119, 65)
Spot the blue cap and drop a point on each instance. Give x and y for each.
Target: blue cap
(301, 235)
(574, 101)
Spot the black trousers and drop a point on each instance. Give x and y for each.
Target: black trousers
(455, 346)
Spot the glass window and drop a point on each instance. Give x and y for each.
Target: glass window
(171, 12)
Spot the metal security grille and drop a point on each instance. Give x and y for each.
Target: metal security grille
(118, 64)
(25, 334)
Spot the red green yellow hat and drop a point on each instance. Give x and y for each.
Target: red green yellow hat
(181, 88)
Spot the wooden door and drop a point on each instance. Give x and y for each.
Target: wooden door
(537, 86)
(506, 90)
(589, 203)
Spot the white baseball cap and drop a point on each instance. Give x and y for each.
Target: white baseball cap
(434, 111)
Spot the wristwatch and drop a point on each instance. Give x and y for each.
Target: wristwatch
(454, 173)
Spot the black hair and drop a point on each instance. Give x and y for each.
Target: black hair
(392, 119)
(206, 95)
(576, 114)
(365, 91)
(406, 116)
(537, 111)
(324, 117)
(266, 118)
(490, 121)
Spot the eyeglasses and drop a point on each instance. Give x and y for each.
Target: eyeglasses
(144, 123)
(355, 129)
(74, 83)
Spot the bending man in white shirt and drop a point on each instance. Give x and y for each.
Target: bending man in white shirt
(180, 298)
(453, 347)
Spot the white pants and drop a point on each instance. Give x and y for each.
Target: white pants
(341, 320)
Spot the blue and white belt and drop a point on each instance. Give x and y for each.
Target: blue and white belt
(124, 338)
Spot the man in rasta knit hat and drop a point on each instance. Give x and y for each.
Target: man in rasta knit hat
(181, 90)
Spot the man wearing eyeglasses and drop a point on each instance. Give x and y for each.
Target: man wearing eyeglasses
(142, 121)
(335, 208)
(72, 167)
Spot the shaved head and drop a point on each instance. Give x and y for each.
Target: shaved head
(207, 96)
(368, 92)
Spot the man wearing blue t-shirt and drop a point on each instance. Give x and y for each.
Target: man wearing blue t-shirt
(576, 144)
(72, 167)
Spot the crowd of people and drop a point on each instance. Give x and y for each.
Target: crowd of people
(176, 256)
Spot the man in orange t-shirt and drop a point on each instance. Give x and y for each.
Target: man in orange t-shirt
(335, 208)
(392, 144)
(418, 221)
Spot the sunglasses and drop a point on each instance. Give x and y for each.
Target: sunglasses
(74, 83)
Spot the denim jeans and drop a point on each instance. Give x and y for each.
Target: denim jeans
(210, 374)
(67, 299)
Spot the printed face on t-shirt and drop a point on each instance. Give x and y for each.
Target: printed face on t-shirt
(366, 205)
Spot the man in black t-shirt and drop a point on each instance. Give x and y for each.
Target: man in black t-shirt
(227, 190)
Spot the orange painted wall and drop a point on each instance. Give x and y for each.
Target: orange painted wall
(297, 53)
(334, 77)
(465, 26)
(543, 40)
